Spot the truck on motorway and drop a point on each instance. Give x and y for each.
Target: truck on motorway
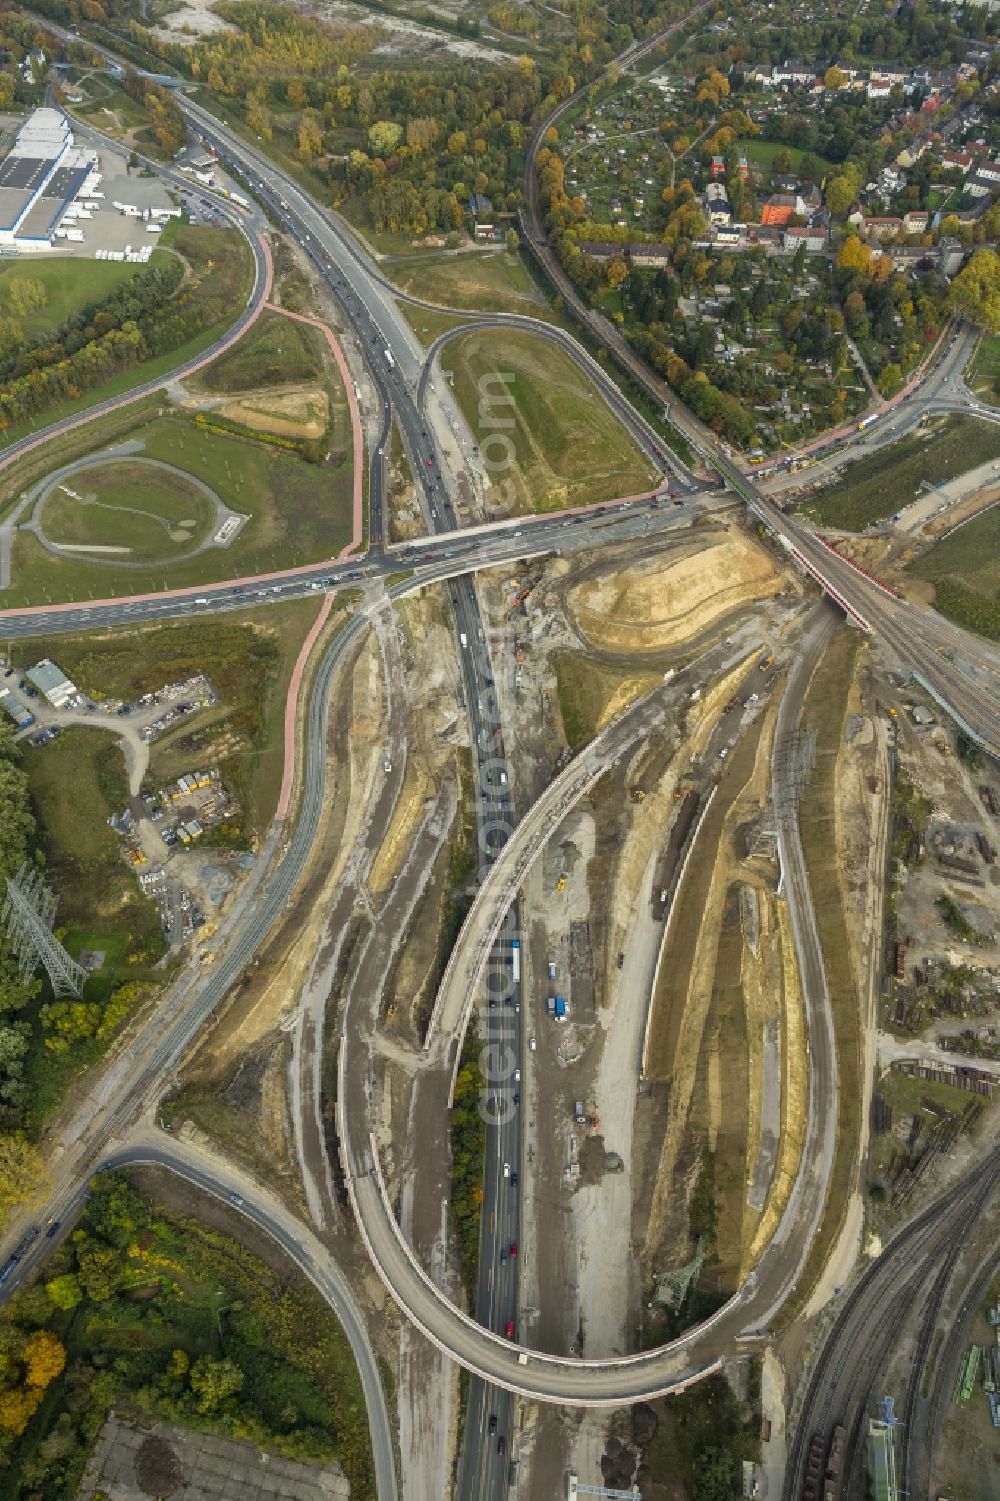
(389, 359)
(515, 960)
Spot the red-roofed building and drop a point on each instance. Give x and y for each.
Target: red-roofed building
(778, 210)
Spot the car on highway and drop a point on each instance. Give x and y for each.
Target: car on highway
(513, 1180)
(235, 1199)
(513, 1248)
(493, 1422)
(503, 1256)
(508, 1329)
(517, 1076)
(501, 1446)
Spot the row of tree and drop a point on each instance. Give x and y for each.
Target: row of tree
(135, 299)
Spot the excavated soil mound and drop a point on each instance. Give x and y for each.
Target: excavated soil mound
(663, 601)
(290, 412)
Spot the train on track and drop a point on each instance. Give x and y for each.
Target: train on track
(825, 1466)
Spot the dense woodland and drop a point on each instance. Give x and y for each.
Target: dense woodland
(154, 313)
(166, 1319)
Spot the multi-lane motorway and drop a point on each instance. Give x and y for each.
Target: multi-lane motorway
(395, 363)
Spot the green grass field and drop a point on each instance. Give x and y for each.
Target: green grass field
(490, 280)
(585, 688)
(113, 112)
(223, 270)
(154, 513)
(965, 571)
(983, 373)
(875, 487)
(248, 655)
(275, 351)
(565, 448)
(762, 154)
(299, 513)
(75, 783)
(70, 283)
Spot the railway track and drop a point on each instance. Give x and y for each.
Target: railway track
(891, 1277)
(917, 1464)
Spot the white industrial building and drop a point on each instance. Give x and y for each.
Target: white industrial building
(51, 681)
(39, 178)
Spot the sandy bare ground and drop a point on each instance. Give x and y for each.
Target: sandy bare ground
(609, 1274)
(400, 36)
(292, 412)
(663, 601)
(746, 776)
(192, 20)
(862, 828)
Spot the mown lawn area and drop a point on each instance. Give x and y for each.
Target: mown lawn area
(523, 398)
(153, 512)
(70, 282)
(298, 512)
(763, 153)
(875, 487)
(491, 280)
(965, 571)
(248, 655)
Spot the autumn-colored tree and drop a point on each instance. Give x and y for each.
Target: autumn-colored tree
(259, 116)
(65, 1292)
(854, 255)
(17, 1407)
(840, 193)
(214, 1381)
(834, 77)
(384, 136)
(44, 1358)
(310, 142)
(27, 295)
(975, 291)
(22, 1172)
(100, 1269)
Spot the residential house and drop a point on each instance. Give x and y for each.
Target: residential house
(600, 250)
(778, 209)
(915, 221)
(715, 204)
(794, 72)
(812, 237)
(649, 255)
(883, 226)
